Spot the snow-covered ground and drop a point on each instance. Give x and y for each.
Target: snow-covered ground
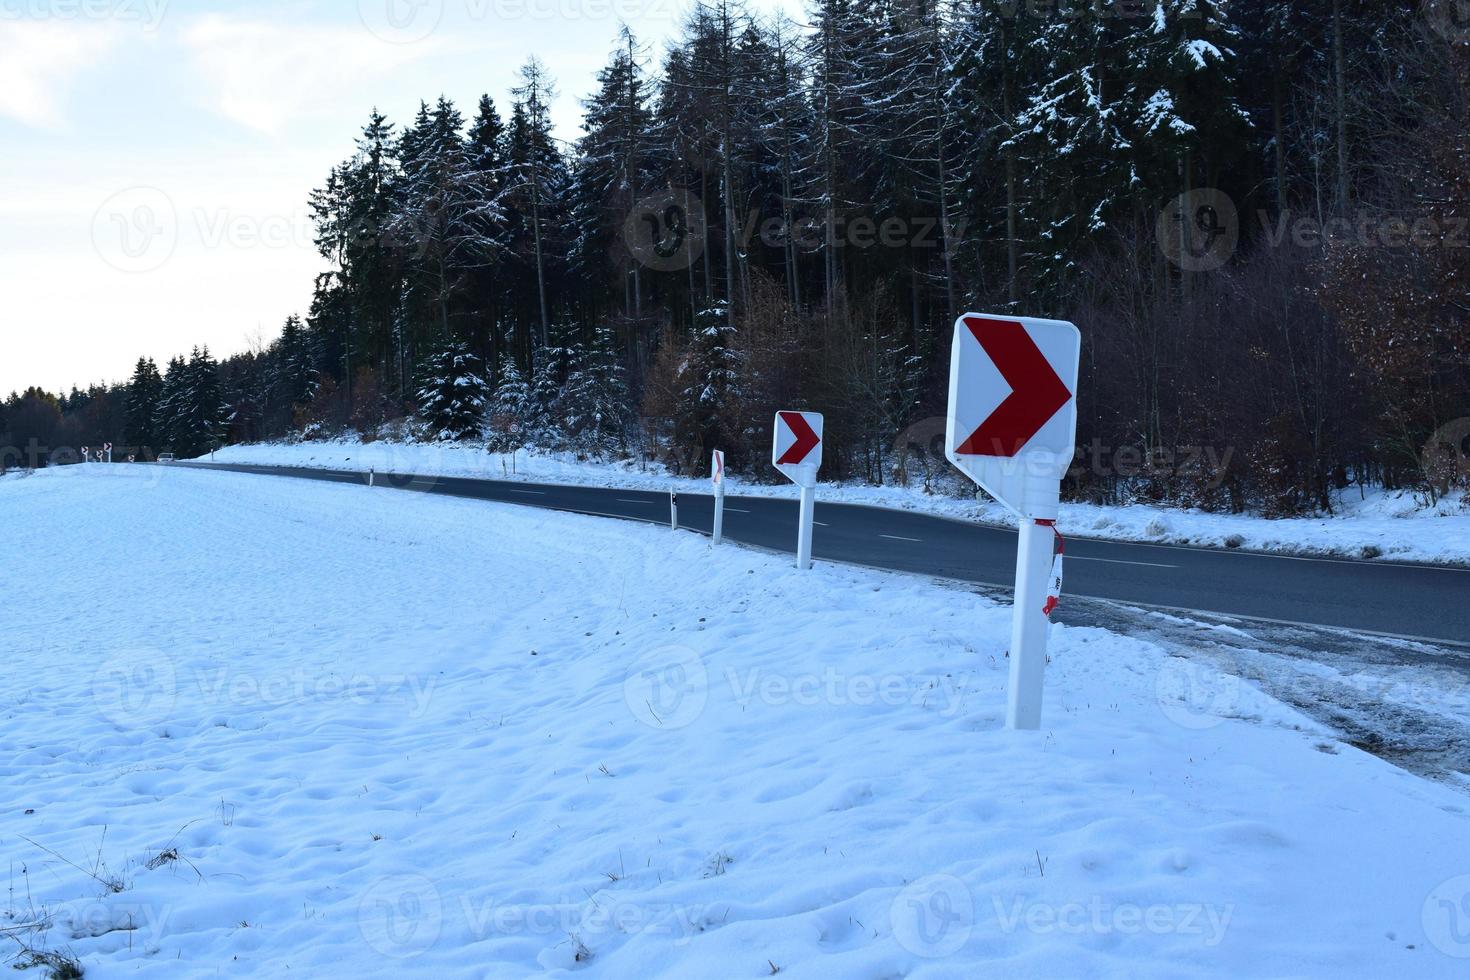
(259, 727)
(1366, 524)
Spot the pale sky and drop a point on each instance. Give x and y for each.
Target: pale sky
(156, 155)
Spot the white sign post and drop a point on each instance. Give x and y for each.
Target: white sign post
(86, 454)
(797, 453)
(1012, 428)
(107, 448)
(717, 477)
(674, 510)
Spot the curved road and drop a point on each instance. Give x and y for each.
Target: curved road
(1422, 602)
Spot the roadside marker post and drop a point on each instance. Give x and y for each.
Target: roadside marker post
(674, 510)
(717, 476)
(1012, 428)
(797, 453)
(107, 448)
(86, 454)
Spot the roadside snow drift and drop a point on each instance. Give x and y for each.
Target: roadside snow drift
(264, 727)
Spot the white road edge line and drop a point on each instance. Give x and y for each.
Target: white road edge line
(627, 500)
(899, 537)
(1120, 561)
(538, 493)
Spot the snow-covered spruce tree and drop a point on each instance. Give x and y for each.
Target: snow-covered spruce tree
(611, 170)
(509, 412)
(708, 388)
(292, 373)
(170, 408)
(543, 421)
(193, 410)
(1185, 93)
(145, 391)
(594, 401)
(452, 394)
(994, 63)
(1073, 138)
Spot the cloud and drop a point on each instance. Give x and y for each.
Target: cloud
(268, 76)
(40, 61)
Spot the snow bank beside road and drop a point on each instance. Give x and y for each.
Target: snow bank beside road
(1376, 524)
(330, 731)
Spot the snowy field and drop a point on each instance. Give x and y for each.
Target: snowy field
(267, 728)
(1366, 524)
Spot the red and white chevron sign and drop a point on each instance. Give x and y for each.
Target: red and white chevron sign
(797, 451)
(1012, 402)
(717, 468)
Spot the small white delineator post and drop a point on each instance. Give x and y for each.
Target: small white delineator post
(717, 475)
(371, 475)
(673, 510)
(86, 454)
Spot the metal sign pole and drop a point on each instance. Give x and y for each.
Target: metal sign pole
(804, 532)
(719, 512)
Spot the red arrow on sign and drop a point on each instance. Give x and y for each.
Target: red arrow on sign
(806, 438)
(1036, 391)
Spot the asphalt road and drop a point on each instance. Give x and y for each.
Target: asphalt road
(1424, 602)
